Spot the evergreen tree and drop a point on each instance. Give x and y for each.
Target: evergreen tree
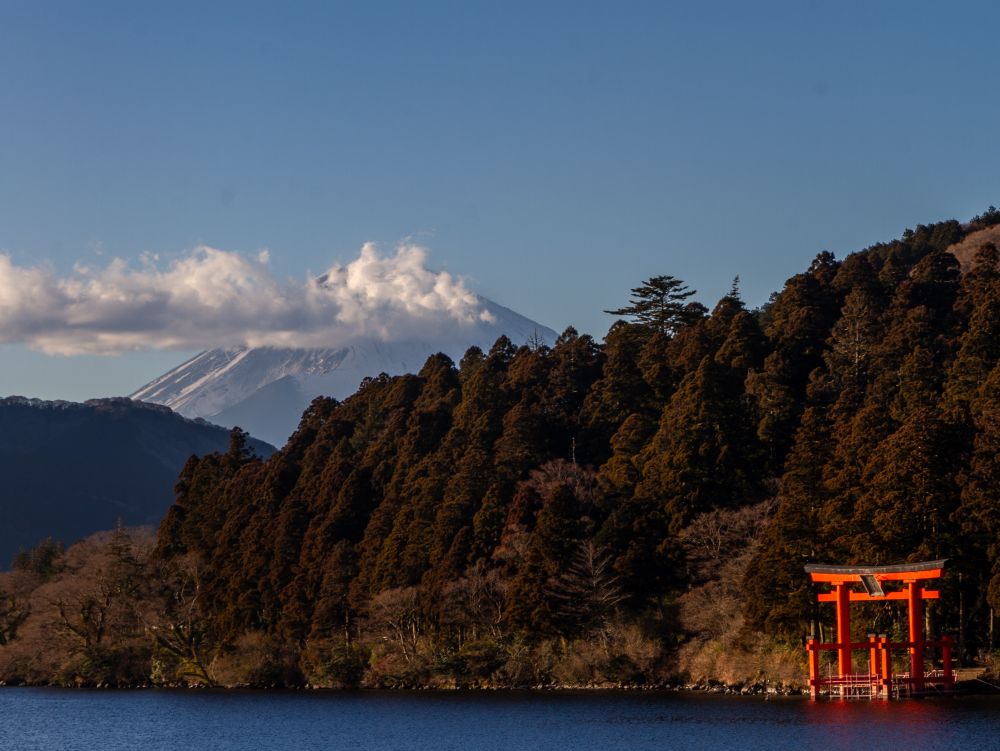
(704, 454)
(911, 493)
(621, 390)
(658, 304)
(779, 598)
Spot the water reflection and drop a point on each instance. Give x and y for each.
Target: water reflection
(932, 723)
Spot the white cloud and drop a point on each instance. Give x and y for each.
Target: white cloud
(213, 298)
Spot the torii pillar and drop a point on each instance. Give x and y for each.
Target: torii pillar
(842, 593)
(915, 600)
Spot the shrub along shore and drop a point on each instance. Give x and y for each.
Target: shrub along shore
(104, 614)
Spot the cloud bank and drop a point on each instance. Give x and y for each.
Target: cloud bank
(213, 298)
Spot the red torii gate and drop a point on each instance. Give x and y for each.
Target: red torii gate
(879, 680)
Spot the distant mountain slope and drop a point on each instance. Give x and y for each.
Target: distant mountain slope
(265, 389)
(71, 469)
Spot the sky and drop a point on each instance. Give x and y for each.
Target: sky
(547, 155)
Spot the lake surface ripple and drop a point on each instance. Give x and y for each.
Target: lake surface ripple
(504, 721)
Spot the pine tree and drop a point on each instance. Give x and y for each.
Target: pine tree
(659, 305)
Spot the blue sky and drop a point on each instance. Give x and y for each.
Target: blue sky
(552, 154)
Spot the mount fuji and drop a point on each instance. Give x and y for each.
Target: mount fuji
(264, 390)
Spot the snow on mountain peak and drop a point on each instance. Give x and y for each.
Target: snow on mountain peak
(265, 389)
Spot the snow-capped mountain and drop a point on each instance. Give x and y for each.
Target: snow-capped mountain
(264, 390)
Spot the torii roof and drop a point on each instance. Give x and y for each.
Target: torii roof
(897, 572)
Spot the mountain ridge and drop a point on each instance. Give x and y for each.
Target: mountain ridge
(73, 468)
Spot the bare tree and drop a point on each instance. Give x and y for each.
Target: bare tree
(475, 604)
(180, 629)
(714, 538)
(395, 616)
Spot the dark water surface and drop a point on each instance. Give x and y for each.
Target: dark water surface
(387, 721)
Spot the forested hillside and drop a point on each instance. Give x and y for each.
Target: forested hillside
(618, 512)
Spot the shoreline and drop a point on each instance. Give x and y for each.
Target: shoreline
(758, 691)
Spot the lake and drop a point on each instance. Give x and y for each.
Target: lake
(511, 721)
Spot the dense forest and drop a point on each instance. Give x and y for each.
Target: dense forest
(632, 511)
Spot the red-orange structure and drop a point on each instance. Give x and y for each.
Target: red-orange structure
(879, 681)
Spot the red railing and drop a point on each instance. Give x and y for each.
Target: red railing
(879, 681)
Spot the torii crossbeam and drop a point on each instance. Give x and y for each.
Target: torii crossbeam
(879, 680)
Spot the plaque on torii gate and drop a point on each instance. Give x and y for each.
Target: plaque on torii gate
(879, 680)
